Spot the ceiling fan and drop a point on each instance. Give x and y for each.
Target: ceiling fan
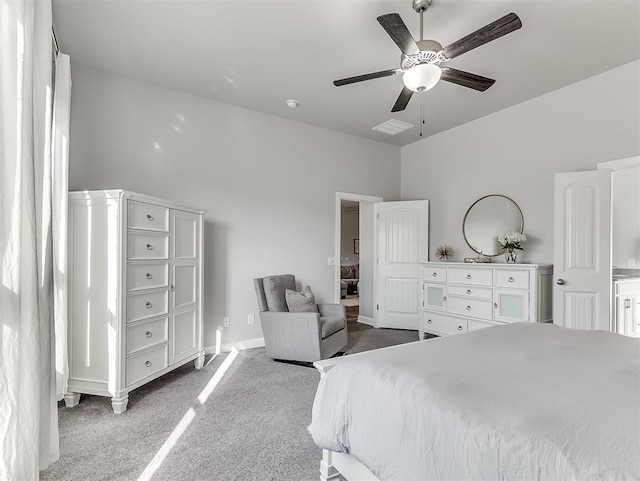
(420, 61)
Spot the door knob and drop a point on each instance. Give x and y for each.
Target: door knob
(560, 282)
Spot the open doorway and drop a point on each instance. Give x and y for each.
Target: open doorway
(354, 257)
(350, 261)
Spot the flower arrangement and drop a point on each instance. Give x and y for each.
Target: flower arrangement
(512, 240)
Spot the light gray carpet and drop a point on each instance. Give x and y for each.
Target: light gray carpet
(252, 427)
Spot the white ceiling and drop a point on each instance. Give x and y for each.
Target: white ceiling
(257, 54)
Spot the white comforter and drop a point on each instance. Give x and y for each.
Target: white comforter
(515, 403)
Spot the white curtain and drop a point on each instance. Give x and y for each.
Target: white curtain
(28, 408)
(60, 179)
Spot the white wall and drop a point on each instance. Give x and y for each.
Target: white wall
(625, 188)
(516, 151)
(267, 183)
(349, 218)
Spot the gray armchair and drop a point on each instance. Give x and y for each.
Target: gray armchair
(298, 336)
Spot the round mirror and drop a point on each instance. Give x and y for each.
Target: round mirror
(486, 219)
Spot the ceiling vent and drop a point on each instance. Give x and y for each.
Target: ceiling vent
(392, 127)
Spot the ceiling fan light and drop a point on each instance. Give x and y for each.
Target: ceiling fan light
(421, 77)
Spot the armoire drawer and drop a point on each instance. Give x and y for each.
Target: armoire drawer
(443, 324)
(511, 278)
(472, 277)
(147, 276)
(146, 364)
(146, 304)
(148, 217)
(146, 334)
(142, 246)
(480, 308)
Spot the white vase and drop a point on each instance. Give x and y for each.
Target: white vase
(511, 256)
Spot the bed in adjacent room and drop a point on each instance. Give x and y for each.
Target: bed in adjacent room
(522, 402)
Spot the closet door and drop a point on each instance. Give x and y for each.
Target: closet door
(184, 274)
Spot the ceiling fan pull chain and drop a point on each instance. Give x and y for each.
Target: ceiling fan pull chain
(421, 111)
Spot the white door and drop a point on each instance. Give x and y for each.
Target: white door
(582, 250)
(402, 244)
(184, 278)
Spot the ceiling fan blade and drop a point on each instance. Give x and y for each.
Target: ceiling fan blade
(403, 100)
(399, 33)
(466, 79)
(368, 76)
(494, 30)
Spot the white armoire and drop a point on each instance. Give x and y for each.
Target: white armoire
(135, 292)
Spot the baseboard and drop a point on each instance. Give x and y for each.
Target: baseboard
(366, 320)
(238, 345)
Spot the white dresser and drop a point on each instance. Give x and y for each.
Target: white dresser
(459, 297)
(135, 292)
(626, 305)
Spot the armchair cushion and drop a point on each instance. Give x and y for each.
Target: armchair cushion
(274, 289)
(330, 325)
(303, 301)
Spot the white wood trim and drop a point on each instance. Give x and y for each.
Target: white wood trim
(620, 164)
(238, 345)
(366, 320)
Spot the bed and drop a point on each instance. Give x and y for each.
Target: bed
(524, 401)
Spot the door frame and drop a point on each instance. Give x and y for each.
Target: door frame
(340, 196)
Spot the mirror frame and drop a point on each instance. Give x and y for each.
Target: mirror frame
(464, 233)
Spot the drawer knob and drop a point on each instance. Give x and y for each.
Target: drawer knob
(511, 279)
(468, 276)
(149, 305)
(148, 363)
(148, 334)
(560, 282)
(149, 247)
(435, 274)
(459, 328)
(149, 276)
(429, 321)
(468, 291)
(468, 308)
(495, 305)
(444, 299)
(149, 217)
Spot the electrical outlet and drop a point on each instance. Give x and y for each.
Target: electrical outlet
(226, 322)
(631, 263)
(331, 261)
(251, 318)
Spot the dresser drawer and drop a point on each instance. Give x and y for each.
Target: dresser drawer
(473, 277)
(147, 276)
(471, 291)
(141, 246)
(512, 278)
(148, 217)
(146, 364)
(146, 334)
(146, 304)
(434, 274)
(480, 308)
(443, 324)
